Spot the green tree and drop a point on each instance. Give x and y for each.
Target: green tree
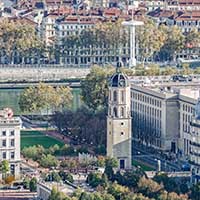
(48, 161)
(95, 88)
(195, 192)
(33, 152)
(118, 191)
(94, 179)
(43, 96)
(109, 165)
(150, 38)
(33, 184)
(66, 176)
(26, 183)
(5, 168)
(175, 42)
(56, 195)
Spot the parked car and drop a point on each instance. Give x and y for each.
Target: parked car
(181, 78)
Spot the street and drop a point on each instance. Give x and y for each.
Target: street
(151, 158)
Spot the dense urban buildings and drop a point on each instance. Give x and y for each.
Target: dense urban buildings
(10, 127)
(61, 24)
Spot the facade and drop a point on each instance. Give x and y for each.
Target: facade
(10, 140)
(119, 133)
(155, 118)
(195, 144)
(161, 116)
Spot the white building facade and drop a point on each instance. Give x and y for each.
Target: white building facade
(10, 140)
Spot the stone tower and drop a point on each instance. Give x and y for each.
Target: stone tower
(119, 120)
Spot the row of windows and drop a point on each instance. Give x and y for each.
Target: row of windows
(146, 99)
(5, 143)
(187, 108)
(5, 133)
(117, 112)
(76, 27)
(139, 107)
(4, 155)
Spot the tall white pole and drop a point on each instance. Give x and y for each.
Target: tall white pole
(132, 24)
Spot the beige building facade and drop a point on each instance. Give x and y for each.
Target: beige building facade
(119, 128)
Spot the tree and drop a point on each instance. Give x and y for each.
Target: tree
(33, 185)
(175, 42)
(109, 165)
(149, 187)
(195, 192)
(94, 179)
(95, 88)
(26, 183)
(171, 196)
(48, 161)
(56, 195)
(5, 168)
(66, 176)
(43, 96)
(150, 38)
(192, 39)
(18, 37)
(33, 152)
(118, 191)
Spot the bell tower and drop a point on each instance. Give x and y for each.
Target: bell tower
(119, 120)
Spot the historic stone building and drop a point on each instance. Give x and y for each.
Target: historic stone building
(119, 134)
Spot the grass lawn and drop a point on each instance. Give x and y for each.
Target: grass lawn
(142, 165)
(30, 138)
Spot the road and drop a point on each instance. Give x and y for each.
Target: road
(151, 159)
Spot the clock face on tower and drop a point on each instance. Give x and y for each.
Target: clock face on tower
(121, 83)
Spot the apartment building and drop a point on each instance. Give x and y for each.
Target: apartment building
(10, 140)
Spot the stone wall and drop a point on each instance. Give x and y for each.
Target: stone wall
(31, 73)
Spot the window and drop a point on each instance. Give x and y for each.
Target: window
(4, 155)
(122, 112)
(122, 96)
(12, 155)
(115, 96)
(12, 132)
(4, 133)
(4, 143)
(115, 112)
(12, 142)
(122, 123)
(122, 133)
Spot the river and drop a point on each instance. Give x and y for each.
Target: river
(10, 98)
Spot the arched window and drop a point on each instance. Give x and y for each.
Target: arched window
(115, 112)
(122, 112)
(115, 96)
(110, 95)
